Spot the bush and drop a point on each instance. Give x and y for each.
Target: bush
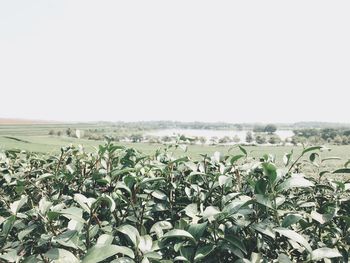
(119, 205)
(260, 139)
(274, 139)
(225, 139)
(249, 137)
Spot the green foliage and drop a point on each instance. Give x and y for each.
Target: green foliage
(260, 138)
(249, 137)
(336, 136)
(119, 205)
(270, 128)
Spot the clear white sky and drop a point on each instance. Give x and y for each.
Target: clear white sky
(235, 61)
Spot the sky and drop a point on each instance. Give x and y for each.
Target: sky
(185, 60)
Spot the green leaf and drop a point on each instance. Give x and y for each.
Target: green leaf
(287, 158)
(224, 180)
(51, 215)
(191, 210)
(325, 252)
(236, 158)
(180, 160)
(101, 252)
(59, 255)
(291, 219)
(145, 243)
(261, 186)
(283, 258)
(70, 238)
(72, 212)
(159, 227)
(210, 212)
(17, 205)
(44, 205)
(26, 231)
(203, 251)
(342, 171)
(330, 159)
(312, 156)
(151, 180)
(84, 202)
(321, 218)
(187, 253)
(10, 256)
(294, 236)
(310, 149)
(236, 242)
(244, 151)
(104, 239)
(8, 224)
(104, 199)
(44, 176)
(263, 200)
(197, 230)
(159, 195)
(131, 232)
(270, 171)
(178, 233)
(264, 229)
(295, 181)
(347, 163)
(123, 260)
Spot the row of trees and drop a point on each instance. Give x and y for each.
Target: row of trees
(258, 138)
(269, 128)
(318, 136)
(260, 135)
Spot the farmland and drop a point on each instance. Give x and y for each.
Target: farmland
(36, 138)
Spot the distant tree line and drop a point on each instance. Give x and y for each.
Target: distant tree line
(326, 135)
(260, 134)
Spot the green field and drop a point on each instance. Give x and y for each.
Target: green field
(35, 138)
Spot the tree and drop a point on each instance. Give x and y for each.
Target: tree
(224, 139)
(346, 133)
(51, 132)
(258, 128)
(328, 134)
(345, 140)
(202, 139)
(338, 140)
(270, 128)
(249, 137)
(260, 139)
(166, 138)
(236, 139)
(214, 140)
(273, 139)
(69, 132)
(136, 137)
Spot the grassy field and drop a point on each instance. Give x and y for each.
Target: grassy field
(35, 138)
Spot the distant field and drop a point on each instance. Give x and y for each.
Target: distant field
(7, 121)
(35, 138)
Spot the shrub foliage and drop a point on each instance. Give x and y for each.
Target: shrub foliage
(119, 205)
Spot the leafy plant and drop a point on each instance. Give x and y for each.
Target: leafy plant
(119, 205)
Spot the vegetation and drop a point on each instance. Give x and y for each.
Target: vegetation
(319, 136)
(304, 133)
(120, 205)
(270, 128)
